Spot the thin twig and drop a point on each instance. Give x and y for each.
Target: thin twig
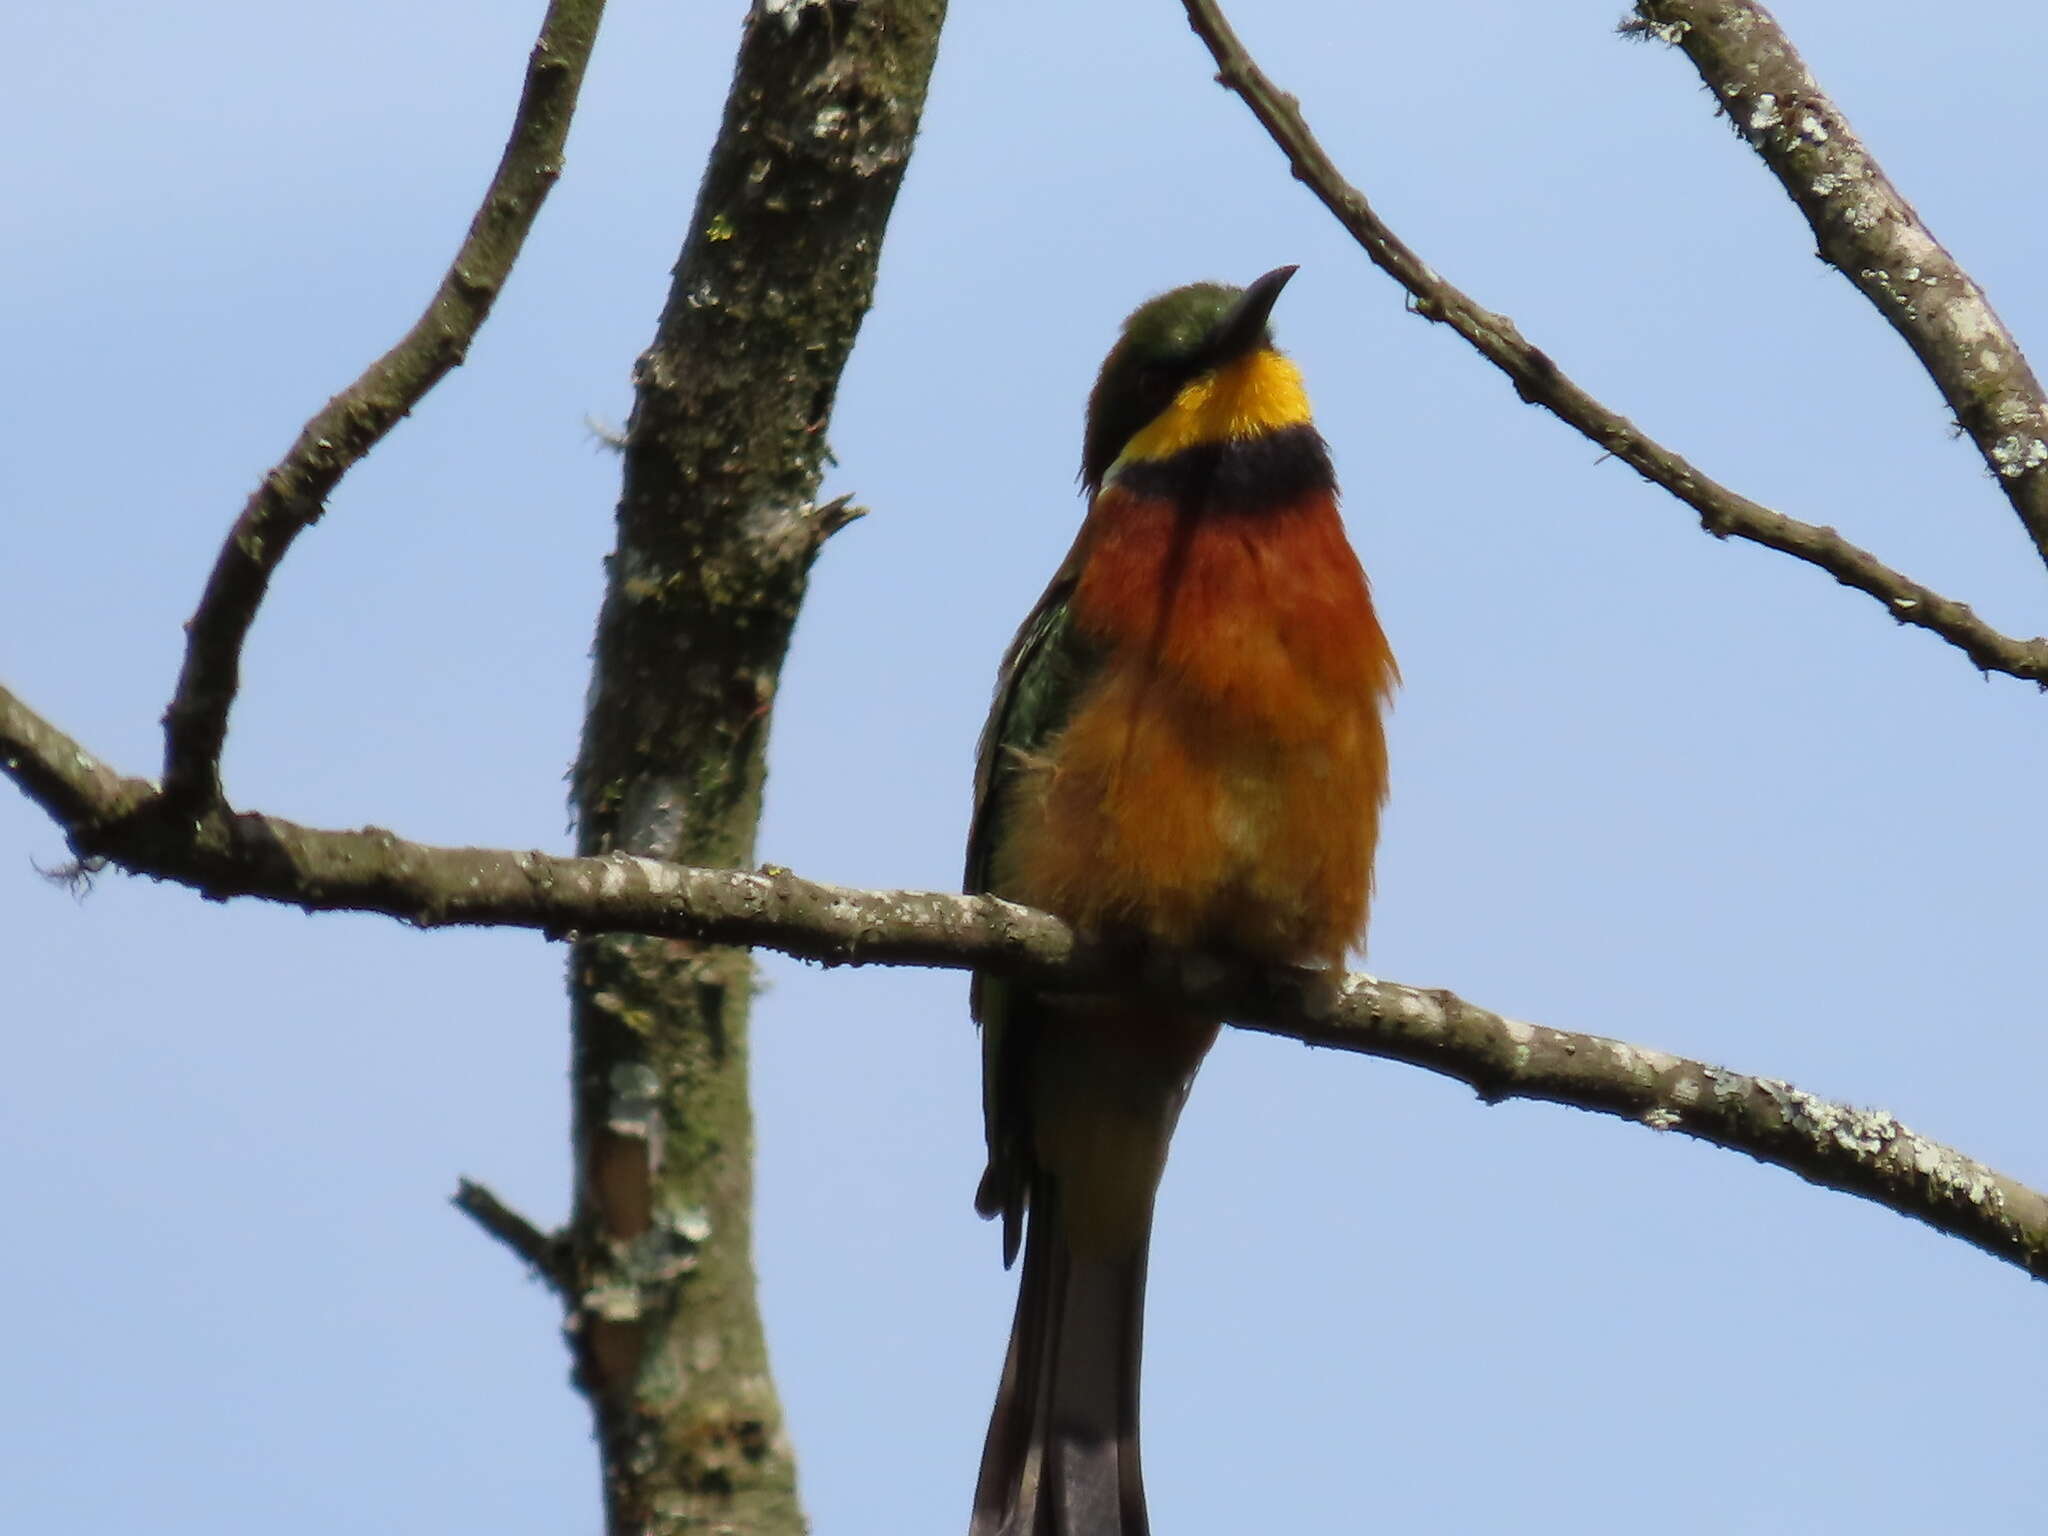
(293, 495)
(542, 1252)
(222, 854)
(1539, 381)
(1871, 235)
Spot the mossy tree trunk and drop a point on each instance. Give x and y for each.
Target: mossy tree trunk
(717, 529)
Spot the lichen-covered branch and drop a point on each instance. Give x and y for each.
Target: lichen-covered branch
(718, 526)
(1539, 381)
(222, 855)
(294, 493)
(1864, 1152)
(1871, 235)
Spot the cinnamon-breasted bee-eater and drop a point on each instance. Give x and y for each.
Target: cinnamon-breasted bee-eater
(1185, 752)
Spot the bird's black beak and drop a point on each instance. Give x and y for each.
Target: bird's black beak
(1245, 326)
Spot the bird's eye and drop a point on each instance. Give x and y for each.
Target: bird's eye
(1161, 377)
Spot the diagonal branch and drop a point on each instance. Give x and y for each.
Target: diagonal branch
(1871, 235)
(222, 854)
(545, 1253)
(293, 494)
(1539, 381)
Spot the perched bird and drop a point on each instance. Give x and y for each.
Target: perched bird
(1185, 752)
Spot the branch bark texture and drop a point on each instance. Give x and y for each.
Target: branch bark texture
(680, 910)
(717, 529)
(1871, 235)
(294, 494)
(1539, 381)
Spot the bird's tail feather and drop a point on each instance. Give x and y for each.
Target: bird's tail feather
(1061, 1457)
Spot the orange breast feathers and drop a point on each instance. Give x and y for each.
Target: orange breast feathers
(1220, 779)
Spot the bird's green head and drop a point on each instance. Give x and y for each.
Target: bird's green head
(1193, 366)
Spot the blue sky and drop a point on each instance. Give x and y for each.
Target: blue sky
(1646, 784)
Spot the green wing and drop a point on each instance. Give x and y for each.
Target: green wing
(1047, 667)
(1041, 674)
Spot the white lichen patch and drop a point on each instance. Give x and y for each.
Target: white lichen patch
(1686, 1091)
(1917, 246)
(1519, 1032)
(1875, 1134)
(1825, 184)
(1812, 129)
(635, 1093)
(669, 1248)
(2016, 454)
(1949, 1170)
(1763, 113)
(613, 1302)
(1968, 322)
(613, 879)
(1881, 280)
(1640, 1063)
(1727, 1085)
(1416, 1011)
(1863, 1131)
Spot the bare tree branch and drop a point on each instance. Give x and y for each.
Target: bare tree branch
(222, 854)
(1870, 234)
(545, 1253)
(293, 495)
(1539, 381)
(76, 788)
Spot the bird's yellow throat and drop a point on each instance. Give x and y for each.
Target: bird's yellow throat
(1249, 396)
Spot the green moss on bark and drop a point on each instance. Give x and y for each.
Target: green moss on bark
(722, 462)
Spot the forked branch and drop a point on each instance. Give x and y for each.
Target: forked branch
(293, 494)
(1539, 381)
(1870, 234)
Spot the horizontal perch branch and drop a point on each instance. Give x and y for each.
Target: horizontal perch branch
(222, 854)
